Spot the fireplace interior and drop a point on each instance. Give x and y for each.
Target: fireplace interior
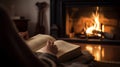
(85, 19)
(91, 22)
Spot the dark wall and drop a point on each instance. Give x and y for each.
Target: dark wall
(28, 9)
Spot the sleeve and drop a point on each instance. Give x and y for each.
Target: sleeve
(48, 59)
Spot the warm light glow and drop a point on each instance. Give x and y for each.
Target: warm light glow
(96, 25)
(99, 47)
(97, 56)
(103, 54)
(103, 28)
(96, 51)
(89, 48)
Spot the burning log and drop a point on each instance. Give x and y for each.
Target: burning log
(105, 34)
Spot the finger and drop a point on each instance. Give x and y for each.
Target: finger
(48, 43)
(52, 42)
(55, 46)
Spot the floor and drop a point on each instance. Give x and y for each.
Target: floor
(103, 52)
(104, 56)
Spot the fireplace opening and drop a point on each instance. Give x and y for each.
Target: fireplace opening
(85, 20)
(96, 22)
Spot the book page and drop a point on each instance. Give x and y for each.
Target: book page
(38, 41)
(65, 47)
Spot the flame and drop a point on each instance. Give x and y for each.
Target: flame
(96, 25)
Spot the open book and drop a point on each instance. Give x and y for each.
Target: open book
(66, 50)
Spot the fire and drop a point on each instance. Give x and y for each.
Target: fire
(96, 26)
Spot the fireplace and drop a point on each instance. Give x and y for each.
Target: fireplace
(85, 19)
(92, 24)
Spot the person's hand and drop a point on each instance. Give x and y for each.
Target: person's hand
(50, 48)
(24, 35)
